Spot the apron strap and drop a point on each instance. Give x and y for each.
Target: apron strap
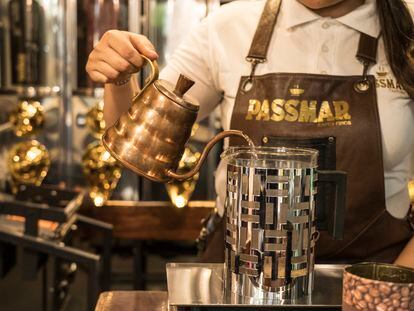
(367, 51)
(263, 34)
(367, 48)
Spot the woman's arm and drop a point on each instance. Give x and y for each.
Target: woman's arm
(112, 62)
(406, 258)
(117, 99)
(117, 56)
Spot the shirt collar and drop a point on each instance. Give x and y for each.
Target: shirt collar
(363, 19)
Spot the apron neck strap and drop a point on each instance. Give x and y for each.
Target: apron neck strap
(367, 51)
(264, 32)
(367, 48)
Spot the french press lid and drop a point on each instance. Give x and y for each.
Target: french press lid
(177, 93)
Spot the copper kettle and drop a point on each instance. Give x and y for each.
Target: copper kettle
(150, 137)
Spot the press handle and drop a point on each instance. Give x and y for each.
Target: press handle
(206, 150)
(336, 222)
(153, 76)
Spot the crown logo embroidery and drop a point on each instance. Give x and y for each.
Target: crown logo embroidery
(296, 90)
(381, 71)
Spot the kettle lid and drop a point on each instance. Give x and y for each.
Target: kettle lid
(177, 93)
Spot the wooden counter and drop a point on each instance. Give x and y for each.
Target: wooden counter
(132, 301)
(149, 220)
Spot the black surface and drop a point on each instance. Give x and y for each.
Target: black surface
(7, 258)
(267, 308)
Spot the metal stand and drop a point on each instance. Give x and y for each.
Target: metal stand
(56, 205)
(196, 287)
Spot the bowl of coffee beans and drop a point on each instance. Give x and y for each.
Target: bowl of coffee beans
(379, 287)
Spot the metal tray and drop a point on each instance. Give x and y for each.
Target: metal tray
(201, 287)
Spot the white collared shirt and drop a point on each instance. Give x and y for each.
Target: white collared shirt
(303, 42)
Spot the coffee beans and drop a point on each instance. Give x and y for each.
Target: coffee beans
(368, 298)
(405, 292)
(374, 292)
(385, 289)
(363, 294)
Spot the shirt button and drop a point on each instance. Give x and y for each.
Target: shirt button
(325, 48)
(325, 25)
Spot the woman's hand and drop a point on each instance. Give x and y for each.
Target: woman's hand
(406, 257)
(117, 56)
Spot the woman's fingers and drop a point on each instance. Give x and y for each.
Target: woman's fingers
(143, 45)
(111, 73)
(106, 71)
(97, 76)
(119, 41)
(116, 61)
(117, 55)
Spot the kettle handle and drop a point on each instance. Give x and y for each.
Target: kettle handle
(152, 78)
(206, 150)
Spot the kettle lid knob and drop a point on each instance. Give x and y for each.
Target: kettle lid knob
(183, 85)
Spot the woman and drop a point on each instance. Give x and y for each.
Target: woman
(336, 70)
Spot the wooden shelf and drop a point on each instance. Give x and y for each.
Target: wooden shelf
(151, 220)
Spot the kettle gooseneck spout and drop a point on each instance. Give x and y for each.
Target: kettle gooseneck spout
(209, 146)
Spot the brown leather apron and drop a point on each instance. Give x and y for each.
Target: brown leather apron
(340, 110)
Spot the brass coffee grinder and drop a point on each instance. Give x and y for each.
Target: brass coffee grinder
(99, 168)
(180, 192)
(27, 118)
(28, 161)
(31, 62)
